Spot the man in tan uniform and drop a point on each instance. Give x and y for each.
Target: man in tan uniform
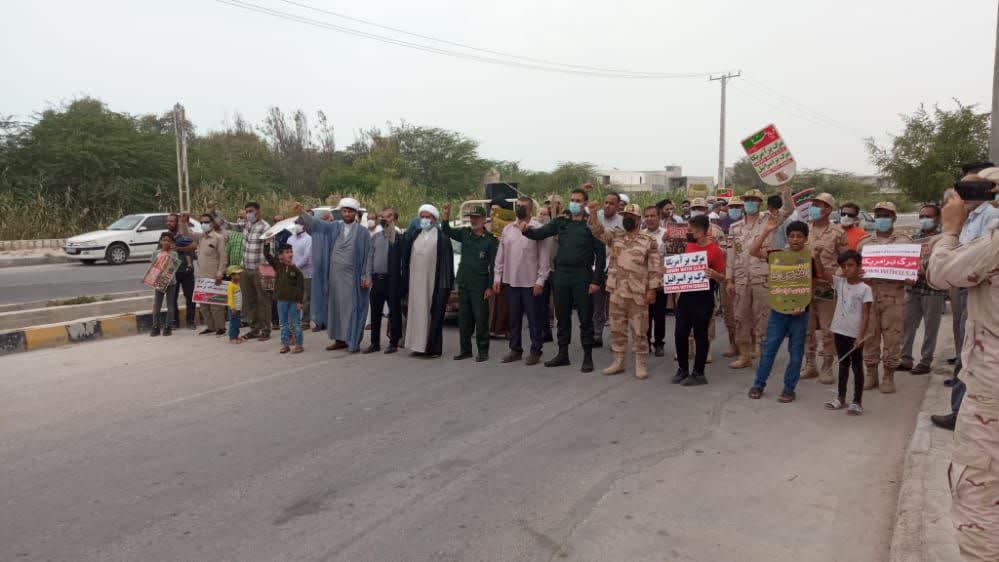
(885, 324)
(634, 275)
(974, 468)
(736, 212)
(746, 275)
(826, 241)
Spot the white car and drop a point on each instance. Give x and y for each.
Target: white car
(132, 236)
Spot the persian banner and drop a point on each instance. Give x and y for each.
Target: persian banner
(685, 273)
(770, 156)
(898, 262)
(790, 280)
(207, 292)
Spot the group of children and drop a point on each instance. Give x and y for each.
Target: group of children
(289, 292)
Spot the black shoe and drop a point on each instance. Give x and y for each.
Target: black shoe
(695, 379)
(587, 365)
(191, 326)
(680, 376)
(167, 331)
(952, 361)
(371, 349)
(547, 338)
(950, 382)
(945, 422)
(219, 332)
(598, 342)
(392, 348)
(463, 355)
(154, 332)
(482, 357)
(561, 359)
(206, 331)
(904, 366)
(660, 350)
(512, 356)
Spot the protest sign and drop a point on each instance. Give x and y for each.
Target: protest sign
(803, 202)
(286, 224)
(898, 262)
(770, 156)
(685, 273)
(677, 238)
(790, 280)
(500, 218)
(207, 292)
(160, 273)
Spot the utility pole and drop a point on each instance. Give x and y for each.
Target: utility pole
(724, 78)
(994, 135)
(183, 181)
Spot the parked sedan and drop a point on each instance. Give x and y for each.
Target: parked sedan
(132, 236)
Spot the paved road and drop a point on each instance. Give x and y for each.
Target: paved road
(110, 451)
(64, 280)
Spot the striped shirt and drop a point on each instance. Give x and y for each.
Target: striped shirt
(253, 243)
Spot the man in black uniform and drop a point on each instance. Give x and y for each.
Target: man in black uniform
(475, 277)
(575, 280)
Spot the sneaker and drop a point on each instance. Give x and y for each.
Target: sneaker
(679, 376)
(921, 369)
(855, 410)
(695, 379)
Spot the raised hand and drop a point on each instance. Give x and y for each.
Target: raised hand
(447, 211)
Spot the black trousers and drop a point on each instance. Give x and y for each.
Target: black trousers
(572, 291)
(438, 307)
(657, 320)
(185, 281)
(693, 313)
(473, 318)
(522, 301)
(546, 323)
(379, 296)
(856, 359)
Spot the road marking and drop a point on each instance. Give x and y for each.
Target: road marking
(244, 383)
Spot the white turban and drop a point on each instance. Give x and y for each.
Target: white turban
(430, 209)
(350, 203)
(624, 198)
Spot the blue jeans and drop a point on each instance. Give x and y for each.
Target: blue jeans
(780, 326)
(233, 324)
(291, 322)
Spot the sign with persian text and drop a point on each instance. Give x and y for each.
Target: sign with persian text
(896, 262)
(790, 280)
(770, 156)
(685, 273)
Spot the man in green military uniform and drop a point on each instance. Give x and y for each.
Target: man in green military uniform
(474, 280)
(575, 280)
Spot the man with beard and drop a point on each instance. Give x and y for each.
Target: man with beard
(256, 300)
(428, 271)
(185, 249)
(384, 270)
(657, 310)
(610, 218)
(347, 283)
(475, 275)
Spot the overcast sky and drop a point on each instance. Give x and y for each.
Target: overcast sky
(827, 73)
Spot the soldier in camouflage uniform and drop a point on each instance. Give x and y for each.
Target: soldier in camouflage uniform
(886, 314)
(974, 470)
(826, 241)
(634, 275)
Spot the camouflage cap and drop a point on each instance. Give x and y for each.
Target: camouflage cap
(735, 200)
(753, 193)
(476, 211)
(826, 198)
(886, 206)
(233, 269)
(698, 202)
(632, 209)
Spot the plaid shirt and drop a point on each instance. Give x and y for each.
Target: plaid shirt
(253, 244)
(921, 287)
(234, 247)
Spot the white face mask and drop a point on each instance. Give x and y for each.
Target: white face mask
(251, 217)
(847, 221)
(297, 229)
(696, 213)
(371, 224)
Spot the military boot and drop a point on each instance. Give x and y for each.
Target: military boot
(617, 367)
(587, 365)
(888, 382)
(826, 374)
(809, 372)
(871, 377)
(641, 371)
(561, 358)
(742, 362)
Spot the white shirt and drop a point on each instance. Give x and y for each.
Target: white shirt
(850, 301)
(613, 223)
(658, 235)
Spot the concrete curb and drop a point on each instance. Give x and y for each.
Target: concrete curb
(33, 260)
(923, 530)
(79, 331)
(32, 244)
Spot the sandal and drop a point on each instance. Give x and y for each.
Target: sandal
(755, 393)
(835, 404)
(786, 397)
(855, 410)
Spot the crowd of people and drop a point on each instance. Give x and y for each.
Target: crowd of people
(605, 260)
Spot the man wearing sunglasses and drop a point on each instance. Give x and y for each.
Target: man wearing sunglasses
(849, 220)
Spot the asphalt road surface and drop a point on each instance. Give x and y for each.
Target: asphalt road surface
(186, 448)
(66, 280)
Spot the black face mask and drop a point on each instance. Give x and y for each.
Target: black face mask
(521, 212)
(690, 238)
(384, 223)
(629, 223)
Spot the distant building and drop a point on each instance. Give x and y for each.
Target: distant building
(668, 179)
(882, 183)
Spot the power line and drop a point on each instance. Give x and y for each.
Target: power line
(797, 113)
(804, 108)
(497, 53)
(441, 51)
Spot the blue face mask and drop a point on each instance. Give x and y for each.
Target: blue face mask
(734, 213)
(927, 223)
(752, 207)
(425, 223)
(883, 224)
(575, 207)
(814, 213)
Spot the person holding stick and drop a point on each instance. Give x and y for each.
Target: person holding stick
(854, 300)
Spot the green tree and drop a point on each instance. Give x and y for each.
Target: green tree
(568, 176)
(744, 177)
(926, 158)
